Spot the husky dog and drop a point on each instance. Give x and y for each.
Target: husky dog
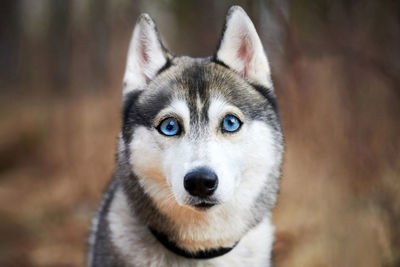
(199, 156)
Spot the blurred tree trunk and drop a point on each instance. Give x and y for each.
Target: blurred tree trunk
(60, 44)
(99, 30)
(9, 42)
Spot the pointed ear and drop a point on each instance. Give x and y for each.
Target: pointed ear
(241, 49)
(146, 55)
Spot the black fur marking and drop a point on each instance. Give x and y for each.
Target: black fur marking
(219, 62)
(131, 98)
(165, 67)
(195, 80)
(135, 113)
(202, 254)
(267, 93)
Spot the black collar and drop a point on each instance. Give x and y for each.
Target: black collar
(202, 254)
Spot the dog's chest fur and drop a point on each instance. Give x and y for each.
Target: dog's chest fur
(138, 247)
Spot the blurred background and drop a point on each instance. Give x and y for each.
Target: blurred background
(336, 67)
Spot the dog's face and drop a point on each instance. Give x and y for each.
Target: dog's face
(201, 132)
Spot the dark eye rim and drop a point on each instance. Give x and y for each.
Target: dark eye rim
(231, 132)
(167, 118)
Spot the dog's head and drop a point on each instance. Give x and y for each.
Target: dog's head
(201, 133)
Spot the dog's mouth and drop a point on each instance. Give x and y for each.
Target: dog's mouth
(202, 204)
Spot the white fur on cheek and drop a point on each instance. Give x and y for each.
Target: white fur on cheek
(146, 162)
(260, 161)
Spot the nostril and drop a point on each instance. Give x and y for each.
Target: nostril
(201, 182)
(188, 183)
(210, 183)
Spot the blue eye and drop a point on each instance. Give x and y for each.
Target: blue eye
(169, 127)
(231, 124)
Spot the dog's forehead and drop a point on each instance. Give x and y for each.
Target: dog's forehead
(204, 78)
(199, 81)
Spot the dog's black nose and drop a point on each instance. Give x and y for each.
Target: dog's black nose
(201, 182)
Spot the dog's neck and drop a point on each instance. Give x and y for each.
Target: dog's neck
(201, 254)
(130, 235)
